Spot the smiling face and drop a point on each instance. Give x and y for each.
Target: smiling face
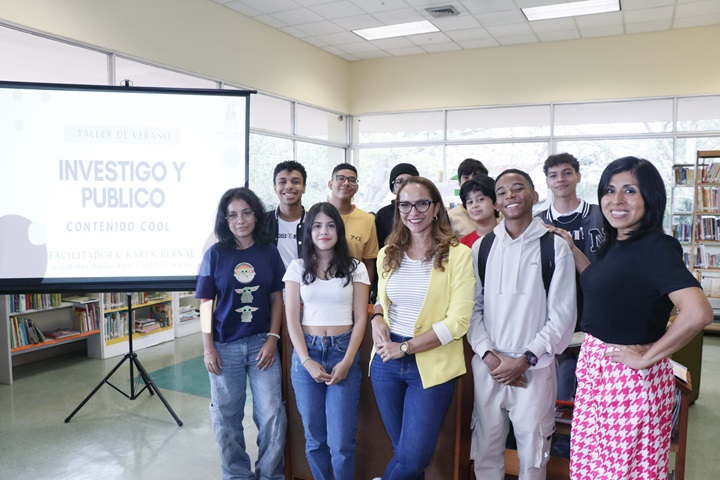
(562, 179)
(515, 196)
(415, 220)
(241, 220)
(289, 187)
(347, 188)
(622, 204)
(479, 206)
(400, 181)
(324, 232)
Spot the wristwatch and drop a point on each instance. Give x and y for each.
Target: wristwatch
(531, 358)
(405, 348)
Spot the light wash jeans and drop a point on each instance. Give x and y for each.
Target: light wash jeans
(227, 409)
(329, 412)
(412, 415)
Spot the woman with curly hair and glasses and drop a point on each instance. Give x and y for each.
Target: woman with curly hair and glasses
(425, 299)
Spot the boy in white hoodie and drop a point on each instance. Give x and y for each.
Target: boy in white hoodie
(516, 330)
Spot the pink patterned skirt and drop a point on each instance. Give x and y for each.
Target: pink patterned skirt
(622, 418)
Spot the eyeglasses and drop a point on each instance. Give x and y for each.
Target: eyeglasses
(246, 215)
(343, 179)
(421, 206)
(399, 182)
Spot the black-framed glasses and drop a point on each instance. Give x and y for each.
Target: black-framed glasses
(421, 206)
(246, 215)
(343, 179)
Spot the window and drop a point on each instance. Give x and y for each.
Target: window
(399, 127)
(611, 118)
(270, 114)
(144, 75)
(323, 125)
(507, 122)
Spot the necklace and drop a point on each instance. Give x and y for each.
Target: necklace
(570, 218)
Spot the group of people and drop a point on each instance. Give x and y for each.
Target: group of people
(517, 295)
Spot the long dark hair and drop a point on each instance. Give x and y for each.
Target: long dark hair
(342, 265)
(652, 189)
(443, 237)
(222, 230)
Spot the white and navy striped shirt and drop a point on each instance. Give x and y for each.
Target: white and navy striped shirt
(406, 289)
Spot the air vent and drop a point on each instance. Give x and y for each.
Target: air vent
(445, 11)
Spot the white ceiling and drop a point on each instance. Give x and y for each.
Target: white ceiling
(327, 24)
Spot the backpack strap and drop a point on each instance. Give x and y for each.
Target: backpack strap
(547, 257)
(483, 252)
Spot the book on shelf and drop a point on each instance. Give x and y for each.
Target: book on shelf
(146, 325)
(58, 333)
(710, 172)
(161, 313)
(25, 332)
(38, 301)
(681, 371)
(684, 176)
(80, 299)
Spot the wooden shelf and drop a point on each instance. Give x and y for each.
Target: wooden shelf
(713, 327)
(51, 343)
(41, 310)
(139, 305)
(137, 335)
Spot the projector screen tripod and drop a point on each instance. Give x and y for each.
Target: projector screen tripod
(131, 356)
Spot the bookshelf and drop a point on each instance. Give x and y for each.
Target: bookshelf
(695, 221)
(36, 322)
(99, 320)
(187, 316)
(152, 318)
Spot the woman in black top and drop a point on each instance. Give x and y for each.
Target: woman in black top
(622, 418)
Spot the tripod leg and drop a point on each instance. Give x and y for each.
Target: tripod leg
(104, 380)
(152, 387)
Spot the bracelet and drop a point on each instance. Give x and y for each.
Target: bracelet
(303, 362)
(211, 351)
(376, 314)
(270, 334)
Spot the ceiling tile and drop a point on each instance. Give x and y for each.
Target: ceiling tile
(319, 28)
(696, 9)
(358, 21)
(369, 55)
(268, 20)
(271, 6)
(315, 41)
(244, 9)
(700, 21)
(648, 26)
(555, 35)
(628, 5)
(397, 42)
(554, 25)
(486, 6)
(607, 31)
(340, 38)
(484, 43)
(401, 52)
(294, 32)
(373, 6)
(600, 20)
(429, 38)
(647, 15)
(441, 47)
(333, 50)
(307, 3)
(501, 18)
(510, 30)
(517, 39)
(469, 35)
(337, 9)
(358, 47)
(297, 16)
(460, 22)
(405, 15)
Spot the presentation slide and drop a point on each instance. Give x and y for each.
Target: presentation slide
(113, 186)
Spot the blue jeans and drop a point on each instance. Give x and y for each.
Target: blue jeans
(227, 409)
(412, 415)
(329, 412)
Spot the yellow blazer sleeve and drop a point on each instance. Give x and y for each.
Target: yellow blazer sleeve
(461, 292)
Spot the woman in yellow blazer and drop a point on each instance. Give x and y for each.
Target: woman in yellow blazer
(425, 298)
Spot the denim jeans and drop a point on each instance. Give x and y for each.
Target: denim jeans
(329, 412)
(412, 415)
(227, 409)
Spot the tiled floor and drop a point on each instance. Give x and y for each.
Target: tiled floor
(112, 437)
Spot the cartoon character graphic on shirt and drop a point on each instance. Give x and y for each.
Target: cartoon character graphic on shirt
(246, 295)
(246, 313)
(244, 272)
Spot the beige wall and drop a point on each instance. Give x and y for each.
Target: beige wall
(203, 37)
(676, 62)
(197, 36)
